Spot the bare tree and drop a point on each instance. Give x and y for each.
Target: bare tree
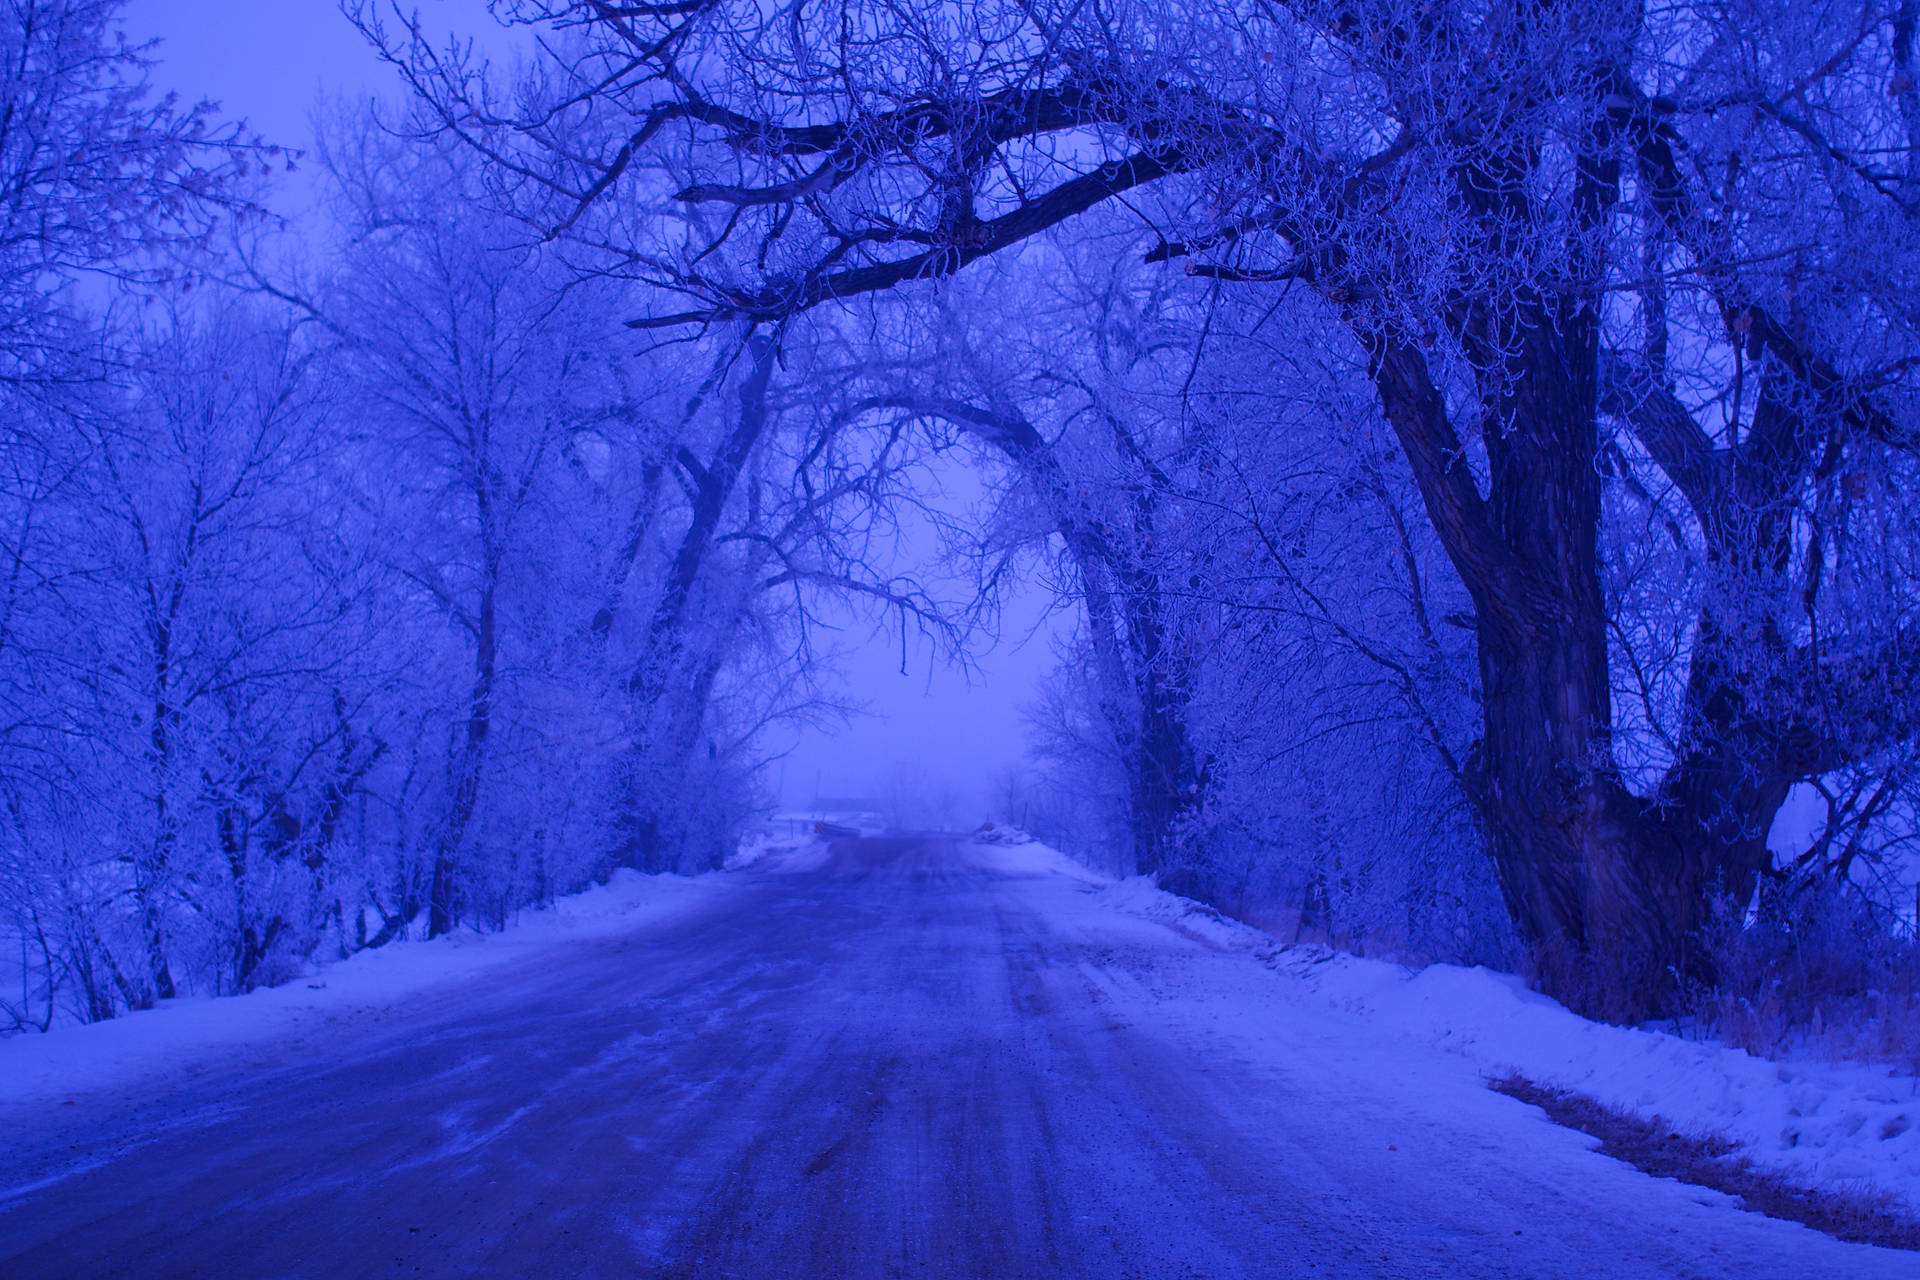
(1531, 225)
(1260, 617)
(97, 174)
(483, 372)
(98, 179)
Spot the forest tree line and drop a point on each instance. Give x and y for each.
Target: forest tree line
(1474, 442)
(362, 580)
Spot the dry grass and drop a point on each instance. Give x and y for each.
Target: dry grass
(1653, 1147)
(1819, 975)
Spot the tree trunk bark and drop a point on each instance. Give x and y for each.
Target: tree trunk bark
(1579, 863)
(1603, 888)
(465, 796)
(149, 877)
(1164, 776)
(666, 672)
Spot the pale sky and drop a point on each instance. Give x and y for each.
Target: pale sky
(271, 61)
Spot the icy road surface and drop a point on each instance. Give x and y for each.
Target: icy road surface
(913, 1058)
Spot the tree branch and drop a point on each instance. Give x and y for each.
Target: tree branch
(1074, 196)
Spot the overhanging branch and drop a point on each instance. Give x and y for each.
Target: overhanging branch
(1074, 196)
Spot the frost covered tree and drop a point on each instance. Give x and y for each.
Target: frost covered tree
(388, 585)
(102, 182)
(219, 616)
(792, 500)
(610, 532)
(1090, 444)
(99, 175)
(1552, 234)
(483, 382)
(180, 740)
(1262, 616)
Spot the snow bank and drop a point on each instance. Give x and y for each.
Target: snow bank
(1138, 895)
(782, 843)
(186, 1037)
(1014, 852)
(1821, 1125)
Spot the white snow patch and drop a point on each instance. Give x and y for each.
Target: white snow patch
(1014, 852)
(1139, 896)
(1825, 1126)
(189, 1036)
(787, 845)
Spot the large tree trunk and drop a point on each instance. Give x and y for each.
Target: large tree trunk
(1163, 774)
(1611, 891)
(667, 685)
(1165, 788)
(1600, 893)
(1603, 889)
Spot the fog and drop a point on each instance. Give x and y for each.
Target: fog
(935, 739)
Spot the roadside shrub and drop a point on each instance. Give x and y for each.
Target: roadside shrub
(1816, 970)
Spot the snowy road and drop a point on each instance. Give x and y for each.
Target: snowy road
(908, 1061)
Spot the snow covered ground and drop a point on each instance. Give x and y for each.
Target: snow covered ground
(981, 1050)
(1823, 1126)
(188, 1037)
